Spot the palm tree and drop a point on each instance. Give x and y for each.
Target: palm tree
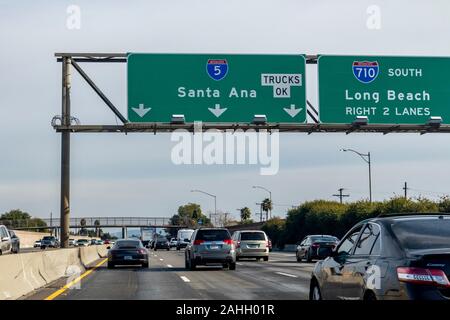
(267, 206)
(83, 224)
(245, 214)
(97, 229)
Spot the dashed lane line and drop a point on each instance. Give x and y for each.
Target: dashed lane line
(286, 274)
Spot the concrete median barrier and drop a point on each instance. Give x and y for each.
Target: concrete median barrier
(88, 255)
(102, 251)
(23, 273)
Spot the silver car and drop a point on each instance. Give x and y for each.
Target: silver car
(6, 245)
(210, 246)
(251, 244)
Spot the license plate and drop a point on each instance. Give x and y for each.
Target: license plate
(128, 258)
(214, 247)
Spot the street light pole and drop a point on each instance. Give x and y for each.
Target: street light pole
(367, 159)
(211, 195)
(270, 197)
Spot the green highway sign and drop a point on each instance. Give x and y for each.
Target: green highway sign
(222, 88)
(385, 89)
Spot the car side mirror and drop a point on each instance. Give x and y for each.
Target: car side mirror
(108, 247)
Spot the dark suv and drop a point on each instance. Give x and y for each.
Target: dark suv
(210, 246)
(49, 242)
(390, 257)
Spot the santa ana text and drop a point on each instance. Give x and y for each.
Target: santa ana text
(234, 92)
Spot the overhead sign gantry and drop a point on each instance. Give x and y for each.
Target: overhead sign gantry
(267, 88)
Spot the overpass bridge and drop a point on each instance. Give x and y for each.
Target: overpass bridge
(93, 222)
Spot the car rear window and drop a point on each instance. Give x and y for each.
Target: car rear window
(213, 235)
(323, 239)
(245, 236)
(128, 244)
(418, 234)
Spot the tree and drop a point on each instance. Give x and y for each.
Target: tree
(274, 229)
(245, 214)
(17, 218)
(15, 214)
(266, 207)
(83, 229)
(97, 227)
(444, 204)
(175, 220)
(189, 215)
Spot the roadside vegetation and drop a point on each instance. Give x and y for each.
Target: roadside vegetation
(334, 218)
(17, 218)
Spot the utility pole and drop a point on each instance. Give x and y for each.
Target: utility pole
(65, 154)
(405, 189)
(341, 194)
(51, 223)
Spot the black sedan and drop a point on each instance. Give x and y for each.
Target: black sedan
(315, 247)
(161, 243)
(390, 257)
(127, 252)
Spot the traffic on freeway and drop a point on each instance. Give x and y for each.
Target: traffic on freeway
(403, 256)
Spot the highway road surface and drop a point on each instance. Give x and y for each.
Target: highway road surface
(166, 278)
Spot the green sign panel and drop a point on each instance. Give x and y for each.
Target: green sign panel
(216, 88)
(397, 90)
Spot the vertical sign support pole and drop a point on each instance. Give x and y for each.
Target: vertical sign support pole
(370, 177)
(65, 154)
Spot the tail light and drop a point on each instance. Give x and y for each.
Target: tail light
(198, 242)
(142, 251)
(228, 241)
(422, 276)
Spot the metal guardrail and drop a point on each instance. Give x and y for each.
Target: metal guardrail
(90, 222)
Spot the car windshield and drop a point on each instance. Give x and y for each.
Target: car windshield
(213, 235)
(186, 234)
(252, 236)
(82, 240)
(128, 244)
(422, 234)
(324, 239)
(48, 238)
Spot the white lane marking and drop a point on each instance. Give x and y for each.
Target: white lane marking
(170, 266)
(239, 264)
(286, 274)
(185, 279)
(161, 259)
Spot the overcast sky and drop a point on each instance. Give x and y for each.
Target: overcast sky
(132, 175)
